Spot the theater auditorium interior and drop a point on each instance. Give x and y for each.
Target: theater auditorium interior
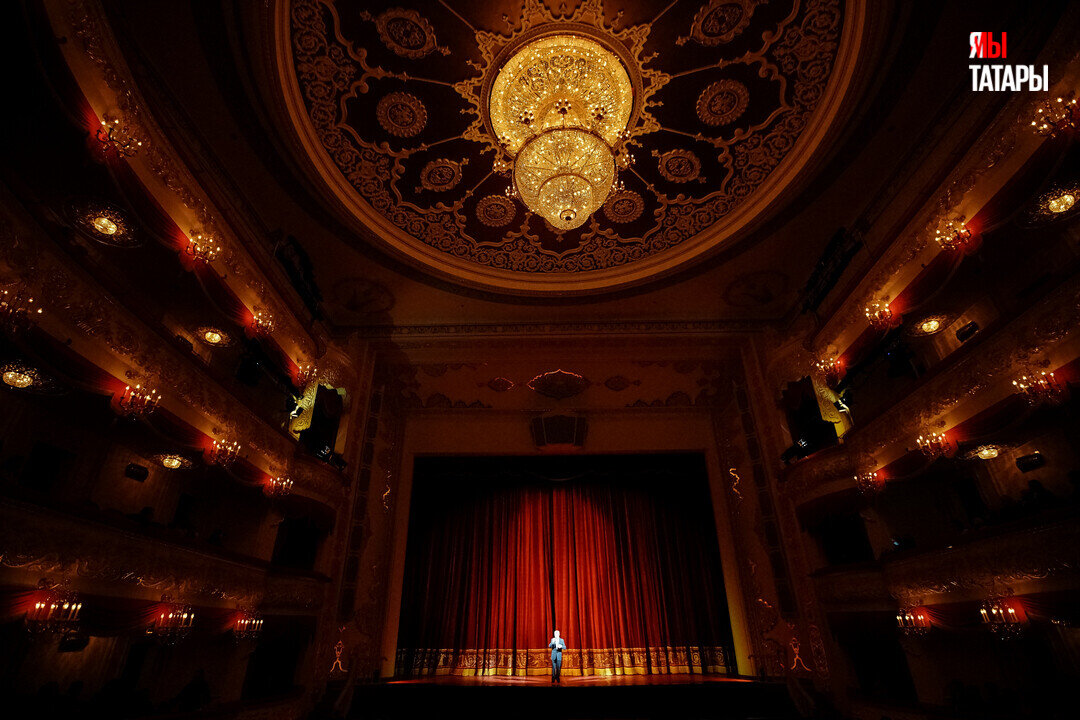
(352, 348)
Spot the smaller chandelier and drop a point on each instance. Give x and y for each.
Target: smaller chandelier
(278, 486)
(1054, 117)
(1000, 616)
(19, 376)
(202, 248)
(262, 323)
(18, 311)
(986, 452)
(223, 452)
(1040, 388)
(831, 368)
(869, 482)
(172, 623)
(933, 445)
(913, 621)
(213, 336)
(138, 401)
(954, 235)
(172, 461)
(55, 610)
(305, 373)
(879, 314)
(113, 136)
(248, 626)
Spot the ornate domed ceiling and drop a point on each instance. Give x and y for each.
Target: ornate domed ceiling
(731, 100)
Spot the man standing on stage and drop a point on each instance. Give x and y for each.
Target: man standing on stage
(557, 646)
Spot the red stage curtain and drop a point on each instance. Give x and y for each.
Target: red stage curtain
(627, 568)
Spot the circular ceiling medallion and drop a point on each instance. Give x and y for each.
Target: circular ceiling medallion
(102, 222)
(401, 114)
(701, 184)
(624, 206)
(496, 210)
(722, 102)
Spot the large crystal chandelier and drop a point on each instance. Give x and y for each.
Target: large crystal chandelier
(560, 107)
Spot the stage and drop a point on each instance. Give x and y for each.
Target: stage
(624, 697)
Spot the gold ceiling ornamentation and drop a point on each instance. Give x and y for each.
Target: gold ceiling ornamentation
(406, 32)
(496, 211)
(560, 107)
(722, 102)
(719, 21)
(624, 206)
(441, 175)
(102, 222)
(779, 89)
(401, 114)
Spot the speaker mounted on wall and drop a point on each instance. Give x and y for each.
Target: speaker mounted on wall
(559, 432)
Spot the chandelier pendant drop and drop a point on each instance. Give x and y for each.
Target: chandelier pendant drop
(560, 107)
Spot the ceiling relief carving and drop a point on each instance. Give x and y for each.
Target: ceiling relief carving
(391, 104)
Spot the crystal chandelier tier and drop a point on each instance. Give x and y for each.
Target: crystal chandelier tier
(560, 107)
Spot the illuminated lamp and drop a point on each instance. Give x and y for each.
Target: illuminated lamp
(172, 622)
(934, 444)
(831, 368)
(879, 314)
(278, 486)
(954, 235)
(1002, 616)
(172, 461)
(202, 248)
(559, 107)
(55, 610)
(18, 377)
(213, 336)
(113, 136)
(305, 373)
(138, 401)
(986, 452)
(869, 482)
(222, 452)
(262, 323)
(1040, 388)
(1054, 117)
(929, 325)
(248, 626)
(18, 311)
(913, 621)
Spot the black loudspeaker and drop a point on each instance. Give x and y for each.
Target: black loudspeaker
(1027, 463)
(136, 472)
(565, 431)
(73, 643)
(967, 332)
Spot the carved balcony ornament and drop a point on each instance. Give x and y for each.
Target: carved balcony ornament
(1055, 116)
(201, 247)
(247, 626)
(913, 621)
(870, 482)
(223, 452)
(1041, 387)
(136, 402)
(18, 310)
(117, 138)
(54, 609)
(880, 315)
(171, 622)
(1003, 615)
(956, 235)
(934, 445)
(559, 384)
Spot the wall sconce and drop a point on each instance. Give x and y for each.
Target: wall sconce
(137, 401)
(870, 482)
(880, 315)
(831, 368)
(305, 373)
(18, 311)
(113, 136)
(248, 626)
(954, 235)
(933, 445)
(1040, 388)
(222, 452)
(55, 610)
(1054, 117)
(202, 248)
(278, 486)
(913, 621)
(1002, 616)
(262, 323)
(172, 622)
